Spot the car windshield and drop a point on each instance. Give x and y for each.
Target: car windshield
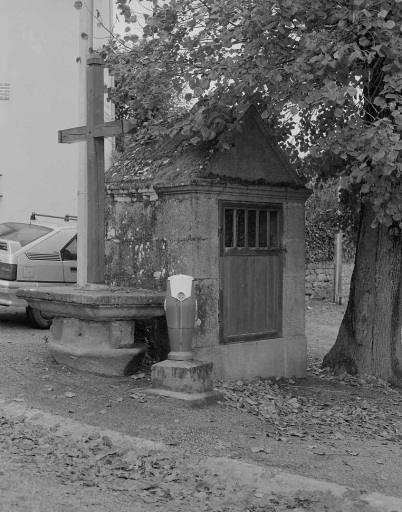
(22, 233)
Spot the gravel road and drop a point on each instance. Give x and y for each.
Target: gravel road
(302, 434)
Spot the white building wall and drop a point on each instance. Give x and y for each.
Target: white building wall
(39, 45)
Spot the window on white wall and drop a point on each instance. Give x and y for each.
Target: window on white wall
(4, 95)
(4, 91)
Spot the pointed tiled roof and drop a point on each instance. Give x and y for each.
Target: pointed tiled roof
(254, 158)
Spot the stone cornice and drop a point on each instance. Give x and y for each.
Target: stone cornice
(236, 190)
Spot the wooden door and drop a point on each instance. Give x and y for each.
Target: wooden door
(251, 272)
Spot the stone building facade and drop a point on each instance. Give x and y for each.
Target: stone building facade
(233, 220)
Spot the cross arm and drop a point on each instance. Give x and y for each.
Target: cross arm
(110, 129)
(113, 128)
(73, 135)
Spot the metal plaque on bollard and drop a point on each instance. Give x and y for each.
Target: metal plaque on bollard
(180, 307)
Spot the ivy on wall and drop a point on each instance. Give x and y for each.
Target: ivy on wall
(324, 218)
(319, 243)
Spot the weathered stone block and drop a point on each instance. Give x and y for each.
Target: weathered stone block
(183, 376)
(294, 221)
(320, 293)
(262, 358)
(108, 362)
(185, 256)
(107, 348)
(294, 260)
(185, 380)
(89, 334)
(206, 326)
(293, 310)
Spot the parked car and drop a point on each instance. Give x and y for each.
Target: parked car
(36, 254)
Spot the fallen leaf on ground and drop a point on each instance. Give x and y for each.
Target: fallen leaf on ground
(315, 413)
(107, 441)
(138, 376)
(258, 449)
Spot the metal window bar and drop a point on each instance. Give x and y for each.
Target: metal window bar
(268, 229)
(234, 228)
(273, 229)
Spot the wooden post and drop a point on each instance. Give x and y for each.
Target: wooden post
(91, 36)
(92, 202)
(95, 174)
(337, 295)
(85, 50)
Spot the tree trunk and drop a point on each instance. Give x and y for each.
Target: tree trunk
(369, 339)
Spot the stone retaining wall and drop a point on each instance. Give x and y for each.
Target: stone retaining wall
(320, 278)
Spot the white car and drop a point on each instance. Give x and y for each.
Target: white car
(36, 254)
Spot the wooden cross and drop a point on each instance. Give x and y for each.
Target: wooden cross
(94, 133)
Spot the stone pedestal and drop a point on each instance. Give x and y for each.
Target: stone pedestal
(93, 326)
(185, 380)
(108, 348)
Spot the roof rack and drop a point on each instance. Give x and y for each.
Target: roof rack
(66, 217)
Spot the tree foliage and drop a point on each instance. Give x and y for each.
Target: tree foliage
(328, 74)
(331, 67)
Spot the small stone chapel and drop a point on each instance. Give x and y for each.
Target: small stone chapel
(234, 220)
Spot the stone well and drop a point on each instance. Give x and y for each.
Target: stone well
(93, 327)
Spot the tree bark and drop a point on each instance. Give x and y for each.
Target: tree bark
(369, 338)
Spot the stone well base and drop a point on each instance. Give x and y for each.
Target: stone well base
(107, 348)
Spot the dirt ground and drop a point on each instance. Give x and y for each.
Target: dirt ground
(340, 430)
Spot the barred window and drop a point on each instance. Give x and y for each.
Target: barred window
(253, 228)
